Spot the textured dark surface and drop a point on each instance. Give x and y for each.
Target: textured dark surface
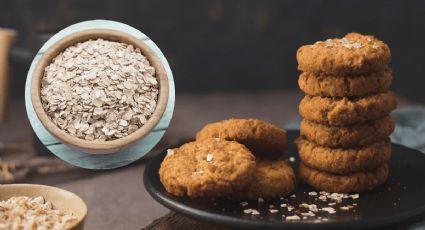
(216, 45)
(399, 199)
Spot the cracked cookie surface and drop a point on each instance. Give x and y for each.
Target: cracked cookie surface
(262, 138)
(272, 178)
(352, 54)
(347, 111)
(345, 86)
(347, 136)
(354, 182)
(207, 168)
(343, 160)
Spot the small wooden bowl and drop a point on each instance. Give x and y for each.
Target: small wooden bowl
(61, 199)
(99, 147)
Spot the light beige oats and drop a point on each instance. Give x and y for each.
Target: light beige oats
(23, 212)
(99, 90)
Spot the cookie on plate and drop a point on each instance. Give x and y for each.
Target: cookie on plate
(354, 182)
(343, 160)
(207, 168)
(345, 86)
(262, 138)
(347, 136)
(353, 54)
(272, 178)
(347, 111)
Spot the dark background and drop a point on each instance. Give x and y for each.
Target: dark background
(238, 45)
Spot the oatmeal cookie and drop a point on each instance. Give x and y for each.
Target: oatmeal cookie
(347, 136)
(343, 160)
(262, 138)
(347, 111)
(352, 54)
(345, 86)
(207, 168)
(354, 182)
(272, 178)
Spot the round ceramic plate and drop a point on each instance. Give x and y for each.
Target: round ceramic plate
(400, 198)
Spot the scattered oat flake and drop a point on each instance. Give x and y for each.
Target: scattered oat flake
(170, 152)
(292, 159)
(330, 210)
(309, 213)
(273, 210)
(332, 204)
(355, 196)
(200, 172)
(260, 200)
(312, 193)
(290, 208)
(209, 157)
(283, 205)
(293, 196)
(244, 203)
(294, 217)
(346, 208)
(255, 212)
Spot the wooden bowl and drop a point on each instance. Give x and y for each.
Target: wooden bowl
(61, 199)
(99, 147)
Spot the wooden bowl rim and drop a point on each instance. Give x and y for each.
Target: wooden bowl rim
(99, 147)
(52, 189)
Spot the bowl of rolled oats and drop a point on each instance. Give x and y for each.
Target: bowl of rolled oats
(31, 206)
(99, 90)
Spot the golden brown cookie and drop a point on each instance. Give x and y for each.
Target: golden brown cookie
(354, 182)
(272, 178)
(345, 86)
(207, 168)
(262, 138)
(352, 54)
(347, 136)
(347, 111)
(343, 160)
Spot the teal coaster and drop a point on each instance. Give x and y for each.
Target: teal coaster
(107, 161)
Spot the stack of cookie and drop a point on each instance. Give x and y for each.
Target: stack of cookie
(344, 144)
(235, 158)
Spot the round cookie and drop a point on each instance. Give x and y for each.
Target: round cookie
(262, 138)
(347, 136)
(347, 111)
(343, 160)
(354, 182)
(272, 178)
(352, 54)
(207, 168)
(345, 86)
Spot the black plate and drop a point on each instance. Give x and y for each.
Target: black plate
(403, 196)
